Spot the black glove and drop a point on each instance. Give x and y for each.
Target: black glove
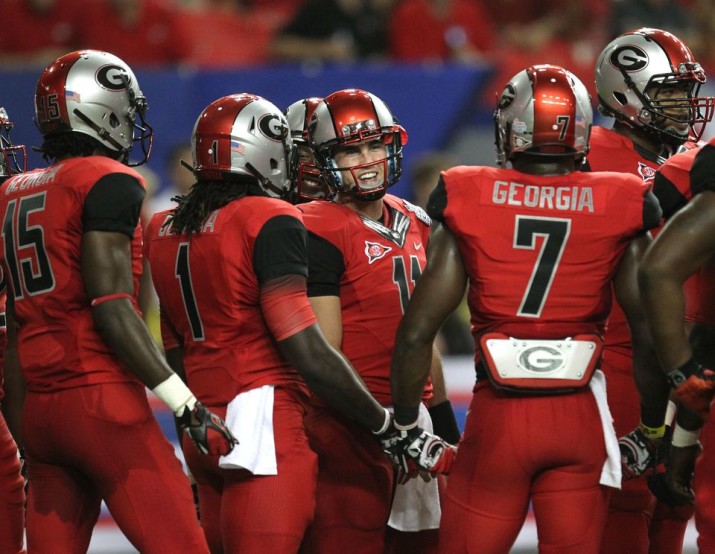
(444, 422)
(675, 486)
(207, 430)
(638, 453)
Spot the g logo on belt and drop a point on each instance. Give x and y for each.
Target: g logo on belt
(541, 359)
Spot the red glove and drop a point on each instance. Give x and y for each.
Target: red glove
(694, 387)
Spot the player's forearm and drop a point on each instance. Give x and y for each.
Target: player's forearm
(344, 391)
(664, 302)
(124, 332)
(411, 362)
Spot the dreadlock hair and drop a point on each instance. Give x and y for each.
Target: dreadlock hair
(205, 197)
(74, 145)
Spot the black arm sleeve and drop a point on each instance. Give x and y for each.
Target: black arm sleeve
(702, 174)
(327, 266)
(670, 198)
(114, 204)
(651, 211)
(281, 249)
(437, 202)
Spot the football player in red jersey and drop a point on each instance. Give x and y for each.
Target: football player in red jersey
(366, 250)
(681, 255)
(71, 254)
(539, 246)
(12, 496)
(308, 183)
(229, 265)
(648, 81)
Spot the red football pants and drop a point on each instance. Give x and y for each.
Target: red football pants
(12, 495)
(547, 449)
(264, 514)
(98, 443)
(637, 523)
(355, 486)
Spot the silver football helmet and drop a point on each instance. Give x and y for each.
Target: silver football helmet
(543, 110)
(244, 135)
(308, 181)
(351, 116)
(97, 94)
(13, 158)
(631, 74)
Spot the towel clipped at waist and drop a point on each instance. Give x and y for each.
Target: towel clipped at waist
(415, 506)
(611, 472)
(249, 417)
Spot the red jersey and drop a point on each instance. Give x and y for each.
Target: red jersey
(45, 214)
(3, 339)
(611, 151)
(541, 251)
(675, 185)
(373, 268)
(208, 287)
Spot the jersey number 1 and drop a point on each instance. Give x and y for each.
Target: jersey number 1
(183, 274)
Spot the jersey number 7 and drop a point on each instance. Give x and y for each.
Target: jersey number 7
(554, 233)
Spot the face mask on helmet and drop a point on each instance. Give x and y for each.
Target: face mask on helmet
(13, 158)
(244, 135)
(649, 80)
(356, 125)
(543, 110)
(97, 94)
(308, 182)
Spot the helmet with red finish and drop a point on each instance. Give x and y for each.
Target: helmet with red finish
(543, 110)
(345, 119)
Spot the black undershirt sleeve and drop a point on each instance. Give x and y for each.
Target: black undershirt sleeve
(651, 211)
(437, 202)
(114, 204)
(702, 174)
(281, 249)
(327, 266)
(670, 198)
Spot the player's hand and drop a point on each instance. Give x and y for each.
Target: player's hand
(675, 486)
(638, 453)
(412, 449)
(394, 444)
(207, 430)
(694, 387)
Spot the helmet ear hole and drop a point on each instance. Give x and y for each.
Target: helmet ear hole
(620, 97)
(114, 121)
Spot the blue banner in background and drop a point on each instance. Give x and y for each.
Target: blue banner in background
(431, 102)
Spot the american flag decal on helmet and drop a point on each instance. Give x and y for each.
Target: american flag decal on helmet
(374, 251)
(238, 147)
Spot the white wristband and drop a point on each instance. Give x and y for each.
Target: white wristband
(385, 424)
(683, 438)
(175, 394)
